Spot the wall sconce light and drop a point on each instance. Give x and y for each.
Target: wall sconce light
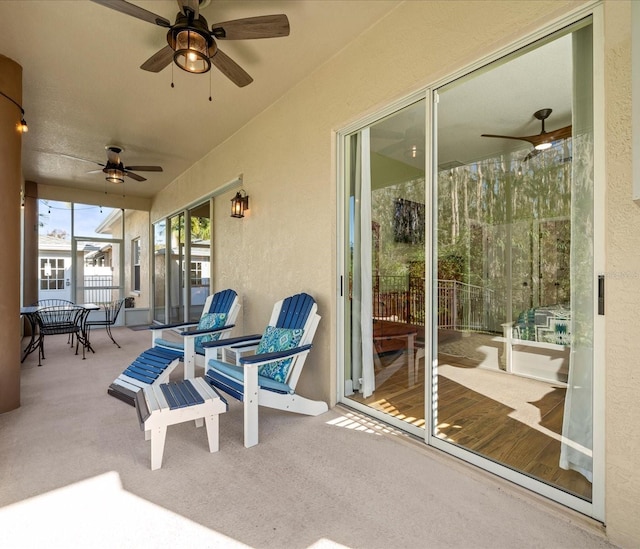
(22, 126)
(239, 203)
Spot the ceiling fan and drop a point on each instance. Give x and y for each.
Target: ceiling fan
(114, 168)
(192, 46)
(541, 141)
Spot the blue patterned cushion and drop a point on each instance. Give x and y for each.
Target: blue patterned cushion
(208, 321)
(274, 340)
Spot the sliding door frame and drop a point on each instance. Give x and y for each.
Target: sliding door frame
(185, 210)
(342, 289)
(595, 508)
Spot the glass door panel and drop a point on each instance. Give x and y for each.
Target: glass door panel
(385, 309)
(200, 261)
(54, 250)
(159, 270)
(98, 272)
(175, 268)
(513, 243)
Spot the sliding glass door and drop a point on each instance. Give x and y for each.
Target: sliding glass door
(385, 309)
(175, 268)
(199, 259)
(468, 290)
(182, 264)
(513, 248)
(160, 260)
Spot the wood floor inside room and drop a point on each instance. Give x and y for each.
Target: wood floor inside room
(513, 420)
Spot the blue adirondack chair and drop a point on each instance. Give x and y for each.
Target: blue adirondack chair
(154, 366)
(216, 322)
(269, 376)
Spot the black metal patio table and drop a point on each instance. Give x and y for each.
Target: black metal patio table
(31, 313)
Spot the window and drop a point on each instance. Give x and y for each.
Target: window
(196, 273)
(51, 273)
(135, 261)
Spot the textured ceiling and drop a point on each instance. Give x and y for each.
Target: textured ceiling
(83, 88)
(496, 100)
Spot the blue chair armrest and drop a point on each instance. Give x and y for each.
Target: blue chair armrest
(232, 341)
(278, 355)
(169, 326)
(206, 331)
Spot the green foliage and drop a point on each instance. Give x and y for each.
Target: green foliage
(200, 229)
(504, 222)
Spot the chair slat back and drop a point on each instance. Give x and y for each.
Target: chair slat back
(295, 311)
(111, 310)
(54, 302)
(222, 301)
(59, 320)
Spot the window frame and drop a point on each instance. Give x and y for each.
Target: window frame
(57, 270)
(135, 265)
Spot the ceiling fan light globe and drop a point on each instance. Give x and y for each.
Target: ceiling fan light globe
(191, 51)
(115, 176)
(543, 146)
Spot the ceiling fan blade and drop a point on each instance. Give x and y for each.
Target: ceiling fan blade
(135, 11)
(134, 176)
(144, 168)
(95, 171)
(262, 26)
(230, 69)
(560, 133)
(192, 6)
(158, 60)
(524, 138)
(78, 158)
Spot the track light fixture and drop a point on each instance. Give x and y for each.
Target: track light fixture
(22, 126)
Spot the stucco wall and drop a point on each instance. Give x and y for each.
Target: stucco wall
(622, 409)
(287, 157)
(137, 226)
(287, 243)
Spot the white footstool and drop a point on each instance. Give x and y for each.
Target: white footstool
(171, 403)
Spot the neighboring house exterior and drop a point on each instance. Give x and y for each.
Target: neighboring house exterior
(94, 268)
(290, 151)
(54, 268)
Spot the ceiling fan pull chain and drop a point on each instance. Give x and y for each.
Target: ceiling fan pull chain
(209, 85)
(172, 76)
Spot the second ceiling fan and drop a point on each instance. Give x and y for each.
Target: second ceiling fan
(192, 46)
(540, 141)
(114, 168)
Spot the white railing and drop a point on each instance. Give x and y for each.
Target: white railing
(465, 306)
(97, 289)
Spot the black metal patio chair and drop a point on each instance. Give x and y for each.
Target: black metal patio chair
(65, 319)
(111, 311)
